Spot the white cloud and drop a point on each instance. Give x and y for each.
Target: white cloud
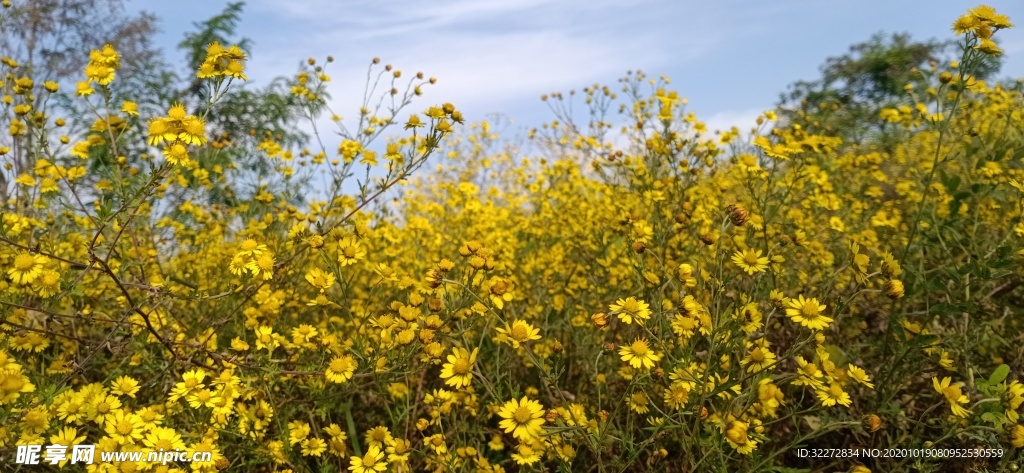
(744, 119)
(487, 55)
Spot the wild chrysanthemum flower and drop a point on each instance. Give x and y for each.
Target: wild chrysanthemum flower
(953, 394)
(859, 375)
(298, 431)
(372, 462)
(833, 394)
(177, 131)
(737, 436)
(458, 372)
(340, 369)
(524, 418)
(320, 279)
(398, 451)
(312, 447)
(48, 284)
(338, 443)
(630, 307)
(751, 261)
(808, 312)
(262, 266)
(1017, 436)
(638, 402)
(26, 268)
(810, 375)
(501, 292)
(759, 357)
(964, 24)
(221, 61)
(130, 108)
(164, 438)
(436, 443)
(250, 248)
(102, 406)
(676, 395)
(349, 251)
(526, 454)
(66, 436)
(520, 331)
(125, 427)
(103, 65)
(639, 354)
(266, 338)
(379, 436)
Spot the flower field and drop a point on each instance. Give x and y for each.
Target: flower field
(628, 292)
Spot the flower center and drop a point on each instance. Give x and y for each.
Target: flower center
(13, 384)
(519, 332)
(461, 366)
(809, 310)
(124, 427)
(737, 433)
(522, 415)
(639, 348)
(24, 262)
(750, 258)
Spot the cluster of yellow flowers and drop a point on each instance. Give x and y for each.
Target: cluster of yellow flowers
(982, 22)
(175, 132)
(690, 300)
(101, 69)
(223, 62)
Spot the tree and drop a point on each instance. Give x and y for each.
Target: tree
(856, 86)
(53, 41)
(244, 113)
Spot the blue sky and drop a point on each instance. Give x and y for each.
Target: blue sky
(730, 58)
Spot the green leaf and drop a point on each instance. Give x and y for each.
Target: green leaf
(947, 309)
(923, 340)
(999, 374)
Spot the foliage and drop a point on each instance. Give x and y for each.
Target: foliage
(685, 302)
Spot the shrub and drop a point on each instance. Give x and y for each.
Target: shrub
(680, 301)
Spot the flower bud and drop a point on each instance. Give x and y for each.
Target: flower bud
(551, 416)
(738, 215)
(893, 288)
(600, 320)
(872, 423)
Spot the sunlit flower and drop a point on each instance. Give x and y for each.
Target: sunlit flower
(639, 354)
(523, 418)
(458, 371)
(808, 312)
(630, 307)
(751, 261)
